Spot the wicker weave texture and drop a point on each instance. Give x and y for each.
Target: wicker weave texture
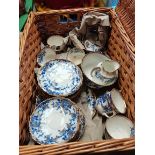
(126, 13)
(38, 28)
(78, 148)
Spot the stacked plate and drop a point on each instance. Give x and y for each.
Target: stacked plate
(56, 120)
(59, 78)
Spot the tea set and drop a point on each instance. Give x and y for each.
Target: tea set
(63, 74)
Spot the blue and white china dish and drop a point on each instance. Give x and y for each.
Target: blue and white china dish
(45, 55)
(89, 46)
(119, 127)
(54, 121)
(132, 132)
(60, 78)
(91, 102)
(104, 105)
(56, 42)
(82, 123)
(95, 67)
(111, 103)
(91, 84)
(82, 128)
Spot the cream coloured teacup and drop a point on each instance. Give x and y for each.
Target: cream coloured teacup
(56, 42)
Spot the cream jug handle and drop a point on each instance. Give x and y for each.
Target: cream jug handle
(98, 67)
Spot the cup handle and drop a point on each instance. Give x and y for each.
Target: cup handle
(109, 116)
(98, 67)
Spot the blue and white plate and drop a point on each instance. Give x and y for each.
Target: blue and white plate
(45, 55)
(82, 123)
(60, 78)
(54, 121)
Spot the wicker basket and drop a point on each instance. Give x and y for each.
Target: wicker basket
(126, 13)
(38, 27)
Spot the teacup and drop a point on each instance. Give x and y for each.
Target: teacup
(111, 103)
(100, 71)
(119, 127)
(56, 42)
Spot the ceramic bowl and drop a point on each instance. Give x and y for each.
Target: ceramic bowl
(92, 67)
(119, 127)
(56, 42)
(59, 78)
(54, 120)
(45, 55)
(75, 55)
(111, 103)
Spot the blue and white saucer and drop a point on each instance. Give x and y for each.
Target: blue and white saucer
(82, 123)
(45, 55)
(54, 121)
(60, 77)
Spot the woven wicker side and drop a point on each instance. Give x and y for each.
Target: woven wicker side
(126, 13)
(78, 148)
(120, 48)
(29, 47)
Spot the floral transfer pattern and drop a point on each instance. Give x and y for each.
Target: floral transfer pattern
(60, 77)
(37, 124)
(105, 102)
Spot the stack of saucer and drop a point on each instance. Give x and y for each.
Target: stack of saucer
(56, 120)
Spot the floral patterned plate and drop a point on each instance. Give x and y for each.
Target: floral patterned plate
(54, 121)
(60, 77)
